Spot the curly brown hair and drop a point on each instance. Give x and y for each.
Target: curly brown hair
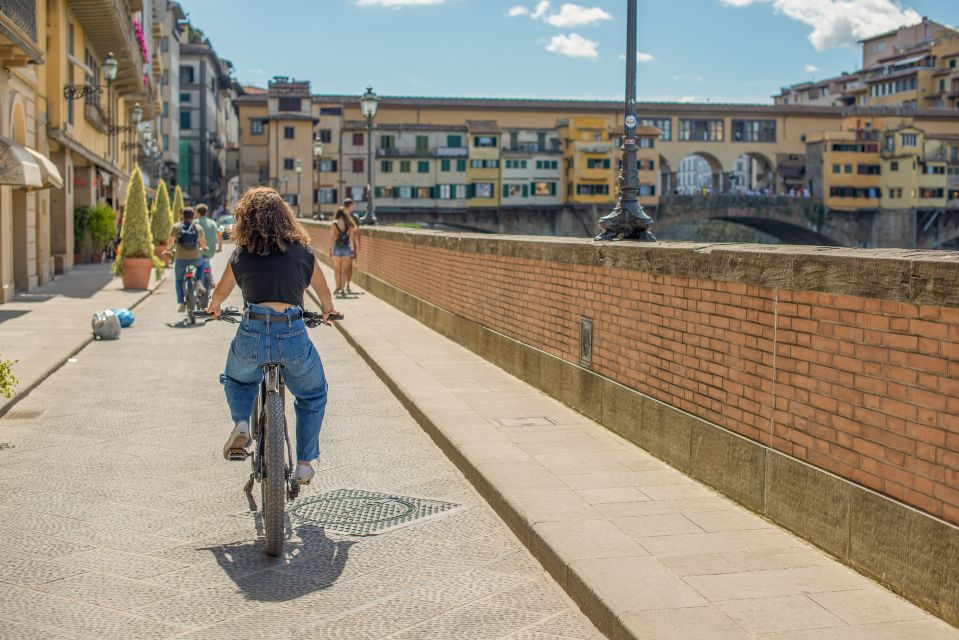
(265, 223)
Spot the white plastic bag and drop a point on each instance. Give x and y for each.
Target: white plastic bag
(105, 325)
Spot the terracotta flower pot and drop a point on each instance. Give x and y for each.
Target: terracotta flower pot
(158, 250)
(97, 258)
(136, 273)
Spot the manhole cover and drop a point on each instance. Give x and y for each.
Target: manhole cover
(365, 513)
(23, 414)
(536, 421)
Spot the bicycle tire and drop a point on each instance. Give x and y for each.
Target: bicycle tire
(273, 479)
(190, 304)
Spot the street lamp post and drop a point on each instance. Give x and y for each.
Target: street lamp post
(317, 154)
(627, 220)
(110, 67)
(298, 167)
(368, 104)
(286, 186)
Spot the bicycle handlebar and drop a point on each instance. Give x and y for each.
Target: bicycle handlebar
(232, 315)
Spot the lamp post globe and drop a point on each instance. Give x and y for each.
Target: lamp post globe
(368, 103)
(110, 67)
(317, 148)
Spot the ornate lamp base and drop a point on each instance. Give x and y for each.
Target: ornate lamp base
(628, 222)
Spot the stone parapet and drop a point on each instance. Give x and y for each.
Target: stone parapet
(819, 387)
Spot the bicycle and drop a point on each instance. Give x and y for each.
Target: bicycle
(269, 434)
(191, 295)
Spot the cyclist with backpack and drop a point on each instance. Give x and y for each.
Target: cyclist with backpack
(188, 239)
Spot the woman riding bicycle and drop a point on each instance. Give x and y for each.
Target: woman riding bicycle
(342, 244)
(274, 264)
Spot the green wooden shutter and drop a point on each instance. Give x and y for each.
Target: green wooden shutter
(552, 188)
(525, 190)
(444, 165)
(461, 164)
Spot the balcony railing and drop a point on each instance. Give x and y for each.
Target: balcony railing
(23, 13)
(438, 152)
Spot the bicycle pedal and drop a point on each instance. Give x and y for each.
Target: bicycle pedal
(238, 455)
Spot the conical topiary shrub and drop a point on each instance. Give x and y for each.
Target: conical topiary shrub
(177, 209)
(162, 219)
(135, 255)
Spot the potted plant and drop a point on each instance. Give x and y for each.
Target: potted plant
(81, 226)
(135, 256)
(162, 219)
(103, 228)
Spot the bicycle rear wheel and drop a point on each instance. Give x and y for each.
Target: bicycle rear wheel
(273, 475)
(191, 303)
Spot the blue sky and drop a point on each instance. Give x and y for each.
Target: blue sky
(691, 50)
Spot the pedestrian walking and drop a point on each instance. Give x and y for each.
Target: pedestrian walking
(354, 246)
(342, 243)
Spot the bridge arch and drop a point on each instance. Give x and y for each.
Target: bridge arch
(752, 171)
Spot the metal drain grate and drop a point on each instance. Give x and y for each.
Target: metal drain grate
(23, 414)
(365, 513)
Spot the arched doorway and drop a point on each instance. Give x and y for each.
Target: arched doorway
(700, 173)
(754, 174)
(22, 236)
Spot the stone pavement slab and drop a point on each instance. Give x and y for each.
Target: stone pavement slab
(120, 519)
(41, 329)
(644, 550)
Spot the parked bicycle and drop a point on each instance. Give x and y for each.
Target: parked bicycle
(271, 455)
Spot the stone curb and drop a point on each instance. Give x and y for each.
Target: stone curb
(6, 404)
(576, 586)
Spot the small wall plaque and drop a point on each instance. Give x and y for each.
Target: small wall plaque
(586, 342)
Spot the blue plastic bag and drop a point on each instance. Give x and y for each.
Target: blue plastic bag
(125, 316)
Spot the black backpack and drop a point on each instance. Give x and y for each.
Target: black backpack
(188, 237)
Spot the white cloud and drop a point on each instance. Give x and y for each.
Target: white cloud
(839, 23)
(640, 57)
(688, 78)
(810, 68)
(573, 15)
(541, 8)
(687, 99)
(518, 10)
(573, 45)
(397, 3)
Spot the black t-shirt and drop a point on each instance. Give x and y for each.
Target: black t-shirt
(276, 277)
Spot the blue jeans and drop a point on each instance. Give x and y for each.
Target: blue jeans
(282, 341)
(179, 269)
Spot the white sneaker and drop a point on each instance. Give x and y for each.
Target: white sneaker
(239, 438)
(304, 473)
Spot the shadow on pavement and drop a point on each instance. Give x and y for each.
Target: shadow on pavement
(312, 564)
(82, 282)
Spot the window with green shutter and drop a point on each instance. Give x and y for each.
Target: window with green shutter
(525, 190)
(541, 140)
(454, 142)
(404, 166)
(461, 164)
(386, 166)
(422, 143)
(387, 141)
(505, 190)
(423, 166)
(444, 165)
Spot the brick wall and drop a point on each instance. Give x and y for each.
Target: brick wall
(862, 384)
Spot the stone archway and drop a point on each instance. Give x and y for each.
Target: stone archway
(754, 173)
(699, 171)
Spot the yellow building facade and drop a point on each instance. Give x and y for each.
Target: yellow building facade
(57, 103)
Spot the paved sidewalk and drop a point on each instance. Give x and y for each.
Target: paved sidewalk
(44, 327)
(120, 519)
(645, 550)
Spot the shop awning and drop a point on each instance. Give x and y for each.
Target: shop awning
(49, 174)
(18, 167)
